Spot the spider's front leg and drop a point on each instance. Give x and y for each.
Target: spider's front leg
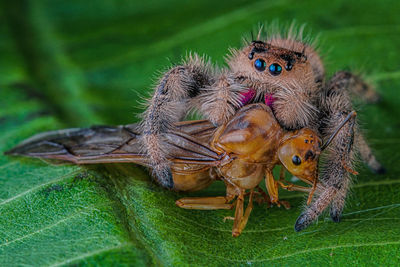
(219, 102)
(169, 104)
(335, 106)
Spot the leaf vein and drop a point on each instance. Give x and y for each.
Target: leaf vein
(47, 227)
(89, 254)
(38, 187)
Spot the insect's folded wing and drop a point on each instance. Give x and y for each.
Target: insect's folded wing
(184, 148)
(109, 144)
(98, 144)
(201, 130)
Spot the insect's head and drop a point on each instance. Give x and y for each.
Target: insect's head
(299, 152)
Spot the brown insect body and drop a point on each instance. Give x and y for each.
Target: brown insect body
(249, 146)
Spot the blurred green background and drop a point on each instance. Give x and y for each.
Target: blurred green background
(78, 63)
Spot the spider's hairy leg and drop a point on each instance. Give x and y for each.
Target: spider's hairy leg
(340, 155)
(170, 104)
(367, 156)
(361, 88)
(354, 85)
(219, 101)
(335, 176)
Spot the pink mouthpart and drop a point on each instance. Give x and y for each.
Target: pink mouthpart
(247, 96)
(269, 100)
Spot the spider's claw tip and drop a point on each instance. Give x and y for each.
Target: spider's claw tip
(380, 170)
(302, 222)
(169, 181)
(165, 178)
(336, 217)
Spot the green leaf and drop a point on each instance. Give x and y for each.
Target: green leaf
(71, 63)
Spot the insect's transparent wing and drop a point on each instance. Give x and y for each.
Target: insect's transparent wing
(184, 148)
(98, 144)
(109, 144)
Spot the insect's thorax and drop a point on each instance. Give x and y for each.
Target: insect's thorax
(252, 135)
(250, 140)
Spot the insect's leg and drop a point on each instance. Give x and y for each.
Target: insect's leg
(205, 203)
(262, 197)
(247, 212)
(169, 104)
(273, 188)
(238, 214)
(293, 187)
(209, 203)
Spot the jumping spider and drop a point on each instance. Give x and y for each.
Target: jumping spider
(286, 73)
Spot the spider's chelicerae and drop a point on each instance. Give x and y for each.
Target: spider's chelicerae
(286, 73)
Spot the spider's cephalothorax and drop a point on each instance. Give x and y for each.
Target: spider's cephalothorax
(288, 75)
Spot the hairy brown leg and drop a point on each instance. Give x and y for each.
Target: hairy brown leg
(367, 156)
(219, 101)
(361, 89)
(354, 85)
(169, 104)
(335, 176)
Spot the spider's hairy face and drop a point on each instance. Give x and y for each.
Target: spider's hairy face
(282, 72)
(271, 68)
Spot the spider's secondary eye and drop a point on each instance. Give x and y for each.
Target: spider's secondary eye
(275, 69)
(296, 160)
(260, 64)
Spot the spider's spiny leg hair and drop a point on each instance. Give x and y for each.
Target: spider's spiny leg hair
(170, 104)
(357, 87)
(341, 154)
(219, 101)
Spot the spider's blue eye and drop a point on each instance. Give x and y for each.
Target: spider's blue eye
(275, 69)
(260, 64)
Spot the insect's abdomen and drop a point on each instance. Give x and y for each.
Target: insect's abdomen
(191, 177)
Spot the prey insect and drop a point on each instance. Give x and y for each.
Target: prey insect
(240, 152)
